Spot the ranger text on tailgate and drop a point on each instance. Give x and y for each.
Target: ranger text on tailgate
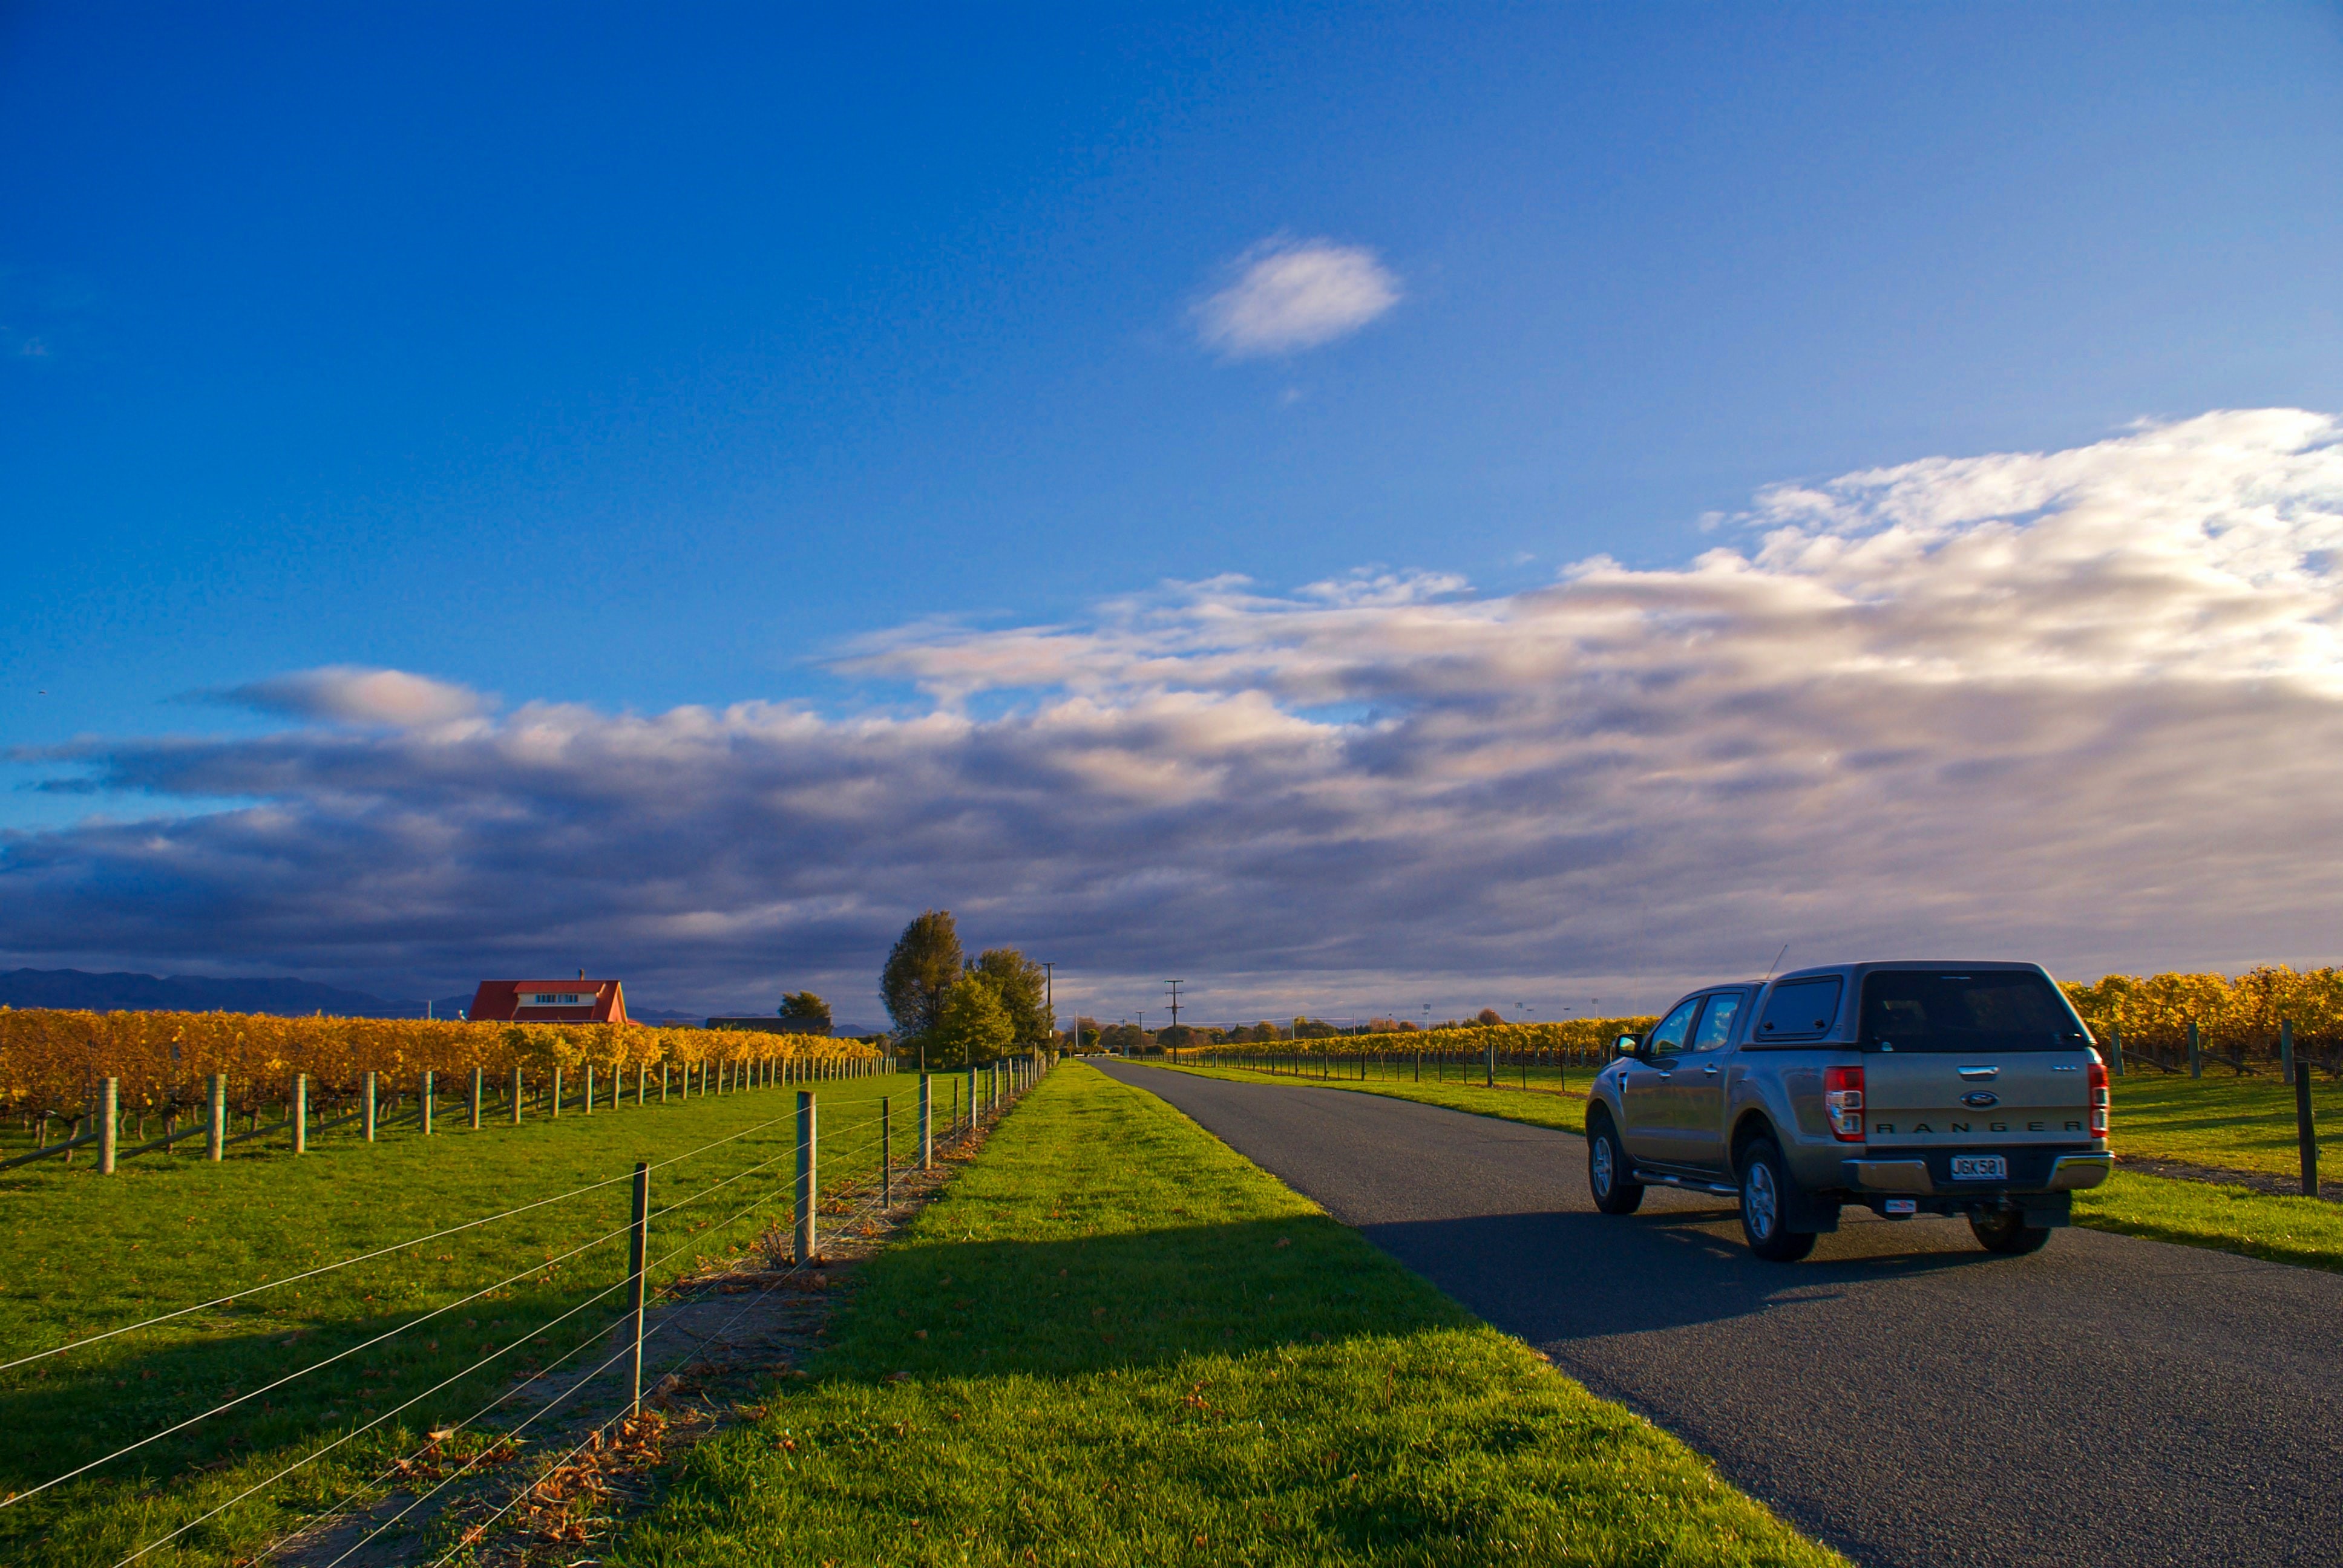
(1966, 1089)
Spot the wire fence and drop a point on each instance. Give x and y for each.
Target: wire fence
(302, 1111)
(819, 1165)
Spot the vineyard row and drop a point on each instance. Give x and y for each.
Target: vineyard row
(52, 1061)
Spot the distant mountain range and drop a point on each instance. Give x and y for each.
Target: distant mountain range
(285, 998)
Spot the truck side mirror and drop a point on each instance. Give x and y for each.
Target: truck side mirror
(1627, 1045)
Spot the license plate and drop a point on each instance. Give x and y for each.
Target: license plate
(1980, 1168)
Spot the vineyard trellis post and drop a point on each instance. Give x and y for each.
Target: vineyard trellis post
(2286, 1049)
(479, 1078)
(553, 1107)
(215, 1134)
(2115, 1050)
(805, 1192)
(589, 1089)
(2196, 1052)
(426, 1098)
(516, 1097)
(2306, 1130)
(367, 1091)
(109, 1106)
(639, 1249)
(300, 1114)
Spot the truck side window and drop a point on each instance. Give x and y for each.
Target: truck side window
(1799, 1009)
(1716, 1023)
(1669, 1038)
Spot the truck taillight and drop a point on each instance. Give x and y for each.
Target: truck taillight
(2098, 1099)
(1843, 1102)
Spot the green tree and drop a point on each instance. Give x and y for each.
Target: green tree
(802, 1006)
(919, 972)
(1023, 991)
(972, 1027)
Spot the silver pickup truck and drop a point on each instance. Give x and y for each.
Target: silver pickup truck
(1969, 1089)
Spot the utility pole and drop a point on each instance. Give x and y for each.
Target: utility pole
(1174, 985)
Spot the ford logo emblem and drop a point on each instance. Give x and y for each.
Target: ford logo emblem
(1980, 1098)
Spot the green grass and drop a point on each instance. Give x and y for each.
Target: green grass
(2301, 1231)
(1547, 1105)
(2237, 1123)
(1114, 1341)
(88, 1254)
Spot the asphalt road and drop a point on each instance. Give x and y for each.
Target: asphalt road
(1902, 1394)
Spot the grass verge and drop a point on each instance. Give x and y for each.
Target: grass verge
(1564, 1109)
(1114, 1341)
(88, 1254)
(2301, 1231)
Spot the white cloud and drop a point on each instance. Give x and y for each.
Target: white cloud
(347, 694)
(2081, 706)
(1290, 294)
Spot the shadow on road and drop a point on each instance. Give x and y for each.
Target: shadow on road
(1564, 1276)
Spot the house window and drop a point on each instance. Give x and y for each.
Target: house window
(556, 998)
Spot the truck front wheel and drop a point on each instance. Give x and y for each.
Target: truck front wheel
(1766, 1204)
(1607, 1171)
(2006, 1230)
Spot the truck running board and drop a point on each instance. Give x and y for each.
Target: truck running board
(1689, 1183)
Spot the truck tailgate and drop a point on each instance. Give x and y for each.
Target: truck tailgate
(1928, 1099)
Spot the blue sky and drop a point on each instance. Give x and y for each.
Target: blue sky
(635, 362)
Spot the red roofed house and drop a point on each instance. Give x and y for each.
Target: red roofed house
(580, 1000)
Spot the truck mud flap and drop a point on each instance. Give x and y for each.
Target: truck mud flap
(1809, 1214)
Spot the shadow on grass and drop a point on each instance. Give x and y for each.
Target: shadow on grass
(58, 1416)
(1091, 1303)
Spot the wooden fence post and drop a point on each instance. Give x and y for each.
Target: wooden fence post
(554, 1112)
(805, 1238)
(2306, 1131)
(479, 1078)
(2115, 1050)
(886, 1154)
(2286, 1049)
(642, 1083)
(638, 1247)
(426, 1102)
(215, 1141)
(109, 1109)
(516, 1096)
(663, 1069)
(927, 1124)
(300, 1114)
(589, 1088)
(369, 1107)
(2196, 1054)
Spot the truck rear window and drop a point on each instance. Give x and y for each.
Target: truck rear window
(1992, 1009)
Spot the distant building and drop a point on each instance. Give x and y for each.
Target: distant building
(580, 1001)
(765, 1024)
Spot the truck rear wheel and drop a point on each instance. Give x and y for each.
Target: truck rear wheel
(1766, 1204)
(1607, 1171)
(2006, 1230)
